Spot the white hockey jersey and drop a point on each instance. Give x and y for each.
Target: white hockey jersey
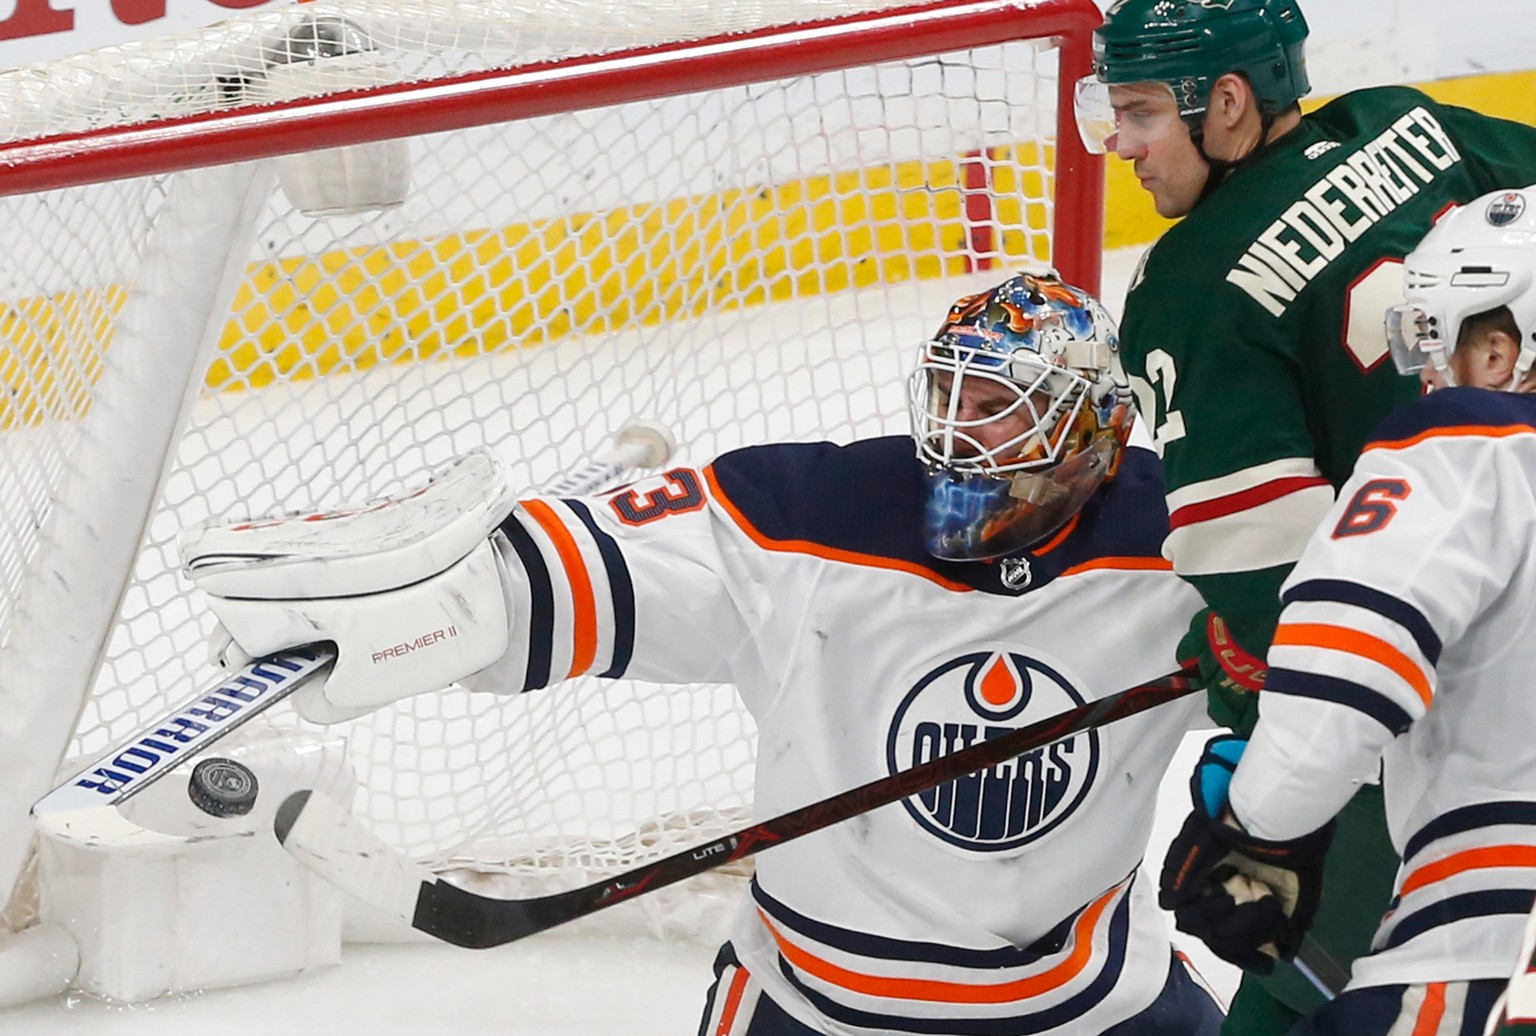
(1409, 637)
(1008, 901)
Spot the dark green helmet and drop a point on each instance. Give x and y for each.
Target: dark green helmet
(1189, 44)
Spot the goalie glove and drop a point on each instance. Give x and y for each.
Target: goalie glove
(1250, 900)
(411, 589)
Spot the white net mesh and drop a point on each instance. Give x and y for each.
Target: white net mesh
(201, 70)
(741, 264)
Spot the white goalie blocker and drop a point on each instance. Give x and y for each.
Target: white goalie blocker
(410, 589)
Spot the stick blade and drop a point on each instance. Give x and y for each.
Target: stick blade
(478, 922)
(328, 840)
(334, 844)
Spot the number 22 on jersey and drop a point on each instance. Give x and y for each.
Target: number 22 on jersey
(1153, 394)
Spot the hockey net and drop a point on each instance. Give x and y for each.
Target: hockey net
(735, 220)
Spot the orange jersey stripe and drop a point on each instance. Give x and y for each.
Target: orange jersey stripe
(732, 1003)
(1058, 539)
(583, 601)
(1431, 1011)
(820, 551)
(1339, 638)
(933, 991)
(1122, 564)
(1469, 860)
(1483, 431)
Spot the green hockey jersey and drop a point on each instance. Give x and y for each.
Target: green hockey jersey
(1253, 332)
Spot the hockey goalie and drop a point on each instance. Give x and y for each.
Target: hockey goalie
(876, 605)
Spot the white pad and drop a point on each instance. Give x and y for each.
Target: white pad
(345, 180)
(376, 546)
(389, 645)
(410, 589)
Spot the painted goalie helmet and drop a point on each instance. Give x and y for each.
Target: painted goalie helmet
(1020, 410)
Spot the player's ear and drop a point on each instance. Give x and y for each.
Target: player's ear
(1493, 356)
(1231, 98)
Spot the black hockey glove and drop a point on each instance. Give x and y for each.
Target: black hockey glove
(1248, 899)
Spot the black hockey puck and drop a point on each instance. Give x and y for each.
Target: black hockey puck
(222, 787)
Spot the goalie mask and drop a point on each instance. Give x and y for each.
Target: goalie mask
(1020, 410)
(1478, 257)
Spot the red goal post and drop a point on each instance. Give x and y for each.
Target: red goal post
(735, 229)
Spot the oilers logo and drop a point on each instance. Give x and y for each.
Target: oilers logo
(1505, 209)
(974, 698)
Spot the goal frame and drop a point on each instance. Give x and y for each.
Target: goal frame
(571, 84)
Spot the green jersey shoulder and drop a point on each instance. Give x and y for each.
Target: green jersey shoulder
(1254, 336)
(1291, 265)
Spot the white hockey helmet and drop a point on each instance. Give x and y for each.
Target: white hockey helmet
(1046, 356)
(1477, 257)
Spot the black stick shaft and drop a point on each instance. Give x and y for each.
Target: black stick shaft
(468, 919)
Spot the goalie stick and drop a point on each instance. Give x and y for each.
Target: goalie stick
(85, 808)
(327, 839)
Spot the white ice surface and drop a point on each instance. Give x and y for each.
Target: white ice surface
(561, 983)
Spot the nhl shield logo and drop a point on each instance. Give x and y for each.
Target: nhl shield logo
(1015, 573)
(1506, 208)
(974, 698)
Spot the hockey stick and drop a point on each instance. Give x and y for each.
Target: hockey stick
(1312, 961)
(84, 809)
(330, 841)
(639, 444)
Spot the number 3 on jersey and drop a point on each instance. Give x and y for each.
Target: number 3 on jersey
(1152, 396)
(681, 493)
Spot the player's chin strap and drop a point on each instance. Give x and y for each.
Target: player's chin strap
(1219, 168)
(1523, 364)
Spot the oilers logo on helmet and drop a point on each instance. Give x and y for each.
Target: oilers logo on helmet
(1506, 208)
(973, 698)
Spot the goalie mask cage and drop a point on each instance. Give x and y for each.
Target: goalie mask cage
(736, 220)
